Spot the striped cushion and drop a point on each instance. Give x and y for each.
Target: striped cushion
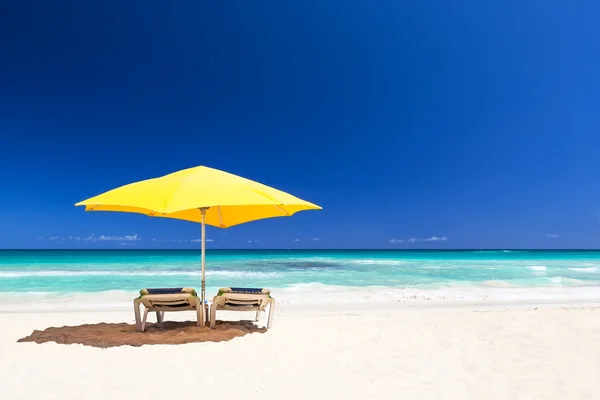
(168, 291)
(244, 290)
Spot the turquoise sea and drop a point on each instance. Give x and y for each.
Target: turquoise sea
(370, 275)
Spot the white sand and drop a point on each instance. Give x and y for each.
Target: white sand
(336, 352)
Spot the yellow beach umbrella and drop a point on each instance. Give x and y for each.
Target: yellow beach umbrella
(200, 194)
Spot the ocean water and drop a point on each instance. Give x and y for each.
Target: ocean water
(305, 276)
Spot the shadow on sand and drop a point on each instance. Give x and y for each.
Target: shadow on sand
(106, 335)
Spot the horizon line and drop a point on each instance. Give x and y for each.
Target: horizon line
(304, 249)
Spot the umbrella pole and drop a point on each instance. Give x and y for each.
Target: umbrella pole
(203, 212)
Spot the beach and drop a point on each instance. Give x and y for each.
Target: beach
(348, 324)
(450, 350)
(405, 190)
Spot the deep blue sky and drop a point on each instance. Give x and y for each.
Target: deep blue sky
(476, 121)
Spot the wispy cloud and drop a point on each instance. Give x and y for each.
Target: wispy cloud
(415, 240)
(551, 235)
(436, 239)
(126, 238)
(253, 241)
(103, 238)
(123, 239)
(127, 243)
(48, 238)
(297, 240)
(315, 238)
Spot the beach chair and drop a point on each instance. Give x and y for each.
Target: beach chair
(167, 299)
(243, 299)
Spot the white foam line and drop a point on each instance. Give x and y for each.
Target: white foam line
(25, 274)
(586, 269)
(538, 268)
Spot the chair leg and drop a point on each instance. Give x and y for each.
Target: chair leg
(213, 316)
(160, 316)
(144, 319)
(136, 311)
(271, 313)
(257, 315)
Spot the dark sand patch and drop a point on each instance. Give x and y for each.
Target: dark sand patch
(111, 335)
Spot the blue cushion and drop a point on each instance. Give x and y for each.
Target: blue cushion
(164, 290)
(246, 290)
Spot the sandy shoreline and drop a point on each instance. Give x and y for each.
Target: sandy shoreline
(356, 352)
(315, 295)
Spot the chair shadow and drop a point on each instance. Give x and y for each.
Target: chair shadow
(106, 335)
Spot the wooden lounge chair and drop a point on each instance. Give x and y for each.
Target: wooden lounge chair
(167, 299)
(243, 299)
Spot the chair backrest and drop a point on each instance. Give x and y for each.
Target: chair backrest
(169, 298)
(243, 298)
(166, 303)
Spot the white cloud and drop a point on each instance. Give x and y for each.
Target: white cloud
(436, 239)
(415, 240)
(94, 238)
(127, 243)
(197, 240)
(315, 238)
(253, 241)
(297, 240)
(154, 239)
(126, 238)
(49, 238)
(551, 235)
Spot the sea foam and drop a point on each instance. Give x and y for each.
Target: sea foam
(238, 274)
(585, 269)
(538, 268)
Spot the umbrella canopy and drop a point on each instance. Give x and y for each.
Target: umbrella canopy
(200, 194)
(230, 199)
